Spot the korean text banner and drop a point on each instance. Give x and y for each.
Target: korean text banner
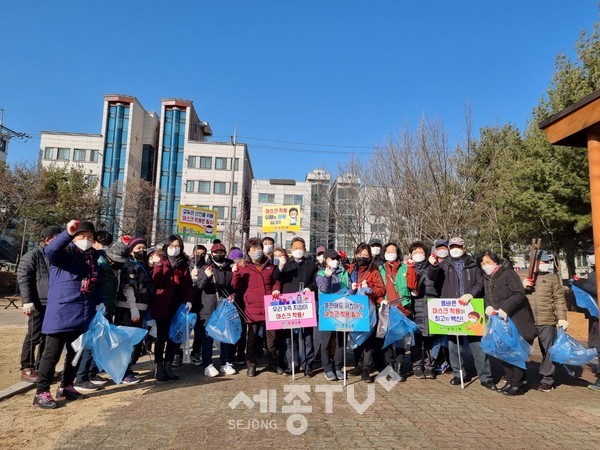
(295, 310)
(197, 222)
(447, 316)
(280, 218)
(338, 312)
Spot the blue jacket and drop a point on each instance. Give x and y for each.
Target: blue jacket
(68, 308)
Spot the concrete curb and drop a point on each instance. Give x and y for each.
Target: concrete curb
(15, 389)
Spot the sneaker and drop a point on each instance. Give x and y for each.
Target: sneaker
(340, 374)
(595, 387)
(83, 387)
(29, 374)
(443, 368)
(543, 387)
(44, 401)
(211, 371)
(177, 361)
(419, 374)
(131, 379)
(429, 374)
(196, 360)
(98, 380)
(330, 376)
(68, 393)
(227, 369)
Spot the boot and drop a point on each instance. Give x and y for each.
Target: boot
(366, 376)
(160, 372)
(356, 371)
(169, 371)
(398, 370)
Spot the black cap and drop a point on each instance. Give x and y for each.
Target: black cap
(50, 231)
(118, 252)
(440, 242)
(85, 226)
(375, 241)
(590, 250)
(331, 254)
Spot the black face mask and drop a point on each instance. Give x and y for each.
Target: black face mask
(201, 259)
(363, 261)
(218, 258)
(116, 265)
(140, 256)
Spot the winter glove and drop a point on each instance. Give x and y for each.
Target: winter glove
(489, 311)
(135, 314)
(354, 286)
(101, 308)
(234, 268)
(188, 306)
(155, 260)
(275, 293)
(564, 324)
(208, 272)
(194, 274)
(328, 272)
(465, 299)
(384, 302)
(433, 260)
(72, 227)
(410, 263)
(28, 308)
(502, 314)
(306, 290)
(528, 282)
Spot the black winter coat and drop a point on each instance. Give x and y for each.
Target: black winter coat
(217, 286)
(294, 273)
(426, 289)
(504, 290)
(33, 276)
(445, 275)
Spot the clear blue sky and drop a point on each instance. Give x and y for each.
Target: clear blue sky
(335, 72)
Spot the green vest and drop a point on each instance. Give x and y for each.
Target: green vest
(343, 277)
(399, 283)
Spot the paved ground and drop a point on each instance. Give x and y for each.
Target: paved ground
(196, 412)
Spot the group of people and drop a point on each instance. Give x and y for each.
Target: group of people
(75, 272)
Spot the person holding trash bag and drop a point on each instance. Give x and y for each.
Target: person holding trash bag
(173, 283)
(399, 280)
(365, 278)
(332, 279)
(253, 278)
(546, 297)
(214, 281)
(74, 293)
(461, 277)
(505, 296)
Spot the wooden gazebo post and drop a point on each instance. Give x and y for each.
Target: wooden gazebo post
(579, 126)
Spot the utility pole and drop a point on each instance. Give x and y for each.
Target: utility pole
(230, 232)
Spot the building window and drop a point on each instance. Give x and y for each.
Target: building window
(221, 187)
(204, 187)
(259, 220)
(49, 152)
(189, 186)
(266, 198)
(79, 154)
(221, 211)
(235, 188)
(290, 199)
(236, 165)
(192, 162)
(206, 162)
(94, 155)
(63, 154)
(221, 163)
(234, 212)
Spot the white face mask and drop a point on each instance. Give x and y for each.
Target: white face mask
(275, 261)
(591, 259)
(83, 245)
(267, 248)
(375, 251)
(544, 267)
(489, 268)
(320, 258)
(297, 254)
(456, 252)
(442, 253)
(173, 251)
(390, 257)
(418, 257)
(256, 255)
(333, 264)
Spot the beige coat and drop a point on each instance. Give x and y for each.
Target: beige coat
(547, 300)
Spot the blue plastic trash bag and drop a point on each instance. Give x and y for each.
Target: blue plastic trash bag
(585, 301)
(224, 324)
(111, 345)
(177, 328)
(503, 341)
(399, 326)
(358, 338)
(567, 350)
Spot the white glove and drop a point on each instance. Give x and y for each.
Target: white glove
(527, 283)
(384, 302)
(465, 299)
(28, 308)
(564, 324)
(194, 274)
(188, 306)
(72, 227)
(101, 307)
(234, 268)
(328, 272)
(489, 310)
(155, 260)
(275, 293)
(208, 272)
(364, 284)
(135, 314)
(306, 290)
(433, 260)
(354, 285)
(502, 314)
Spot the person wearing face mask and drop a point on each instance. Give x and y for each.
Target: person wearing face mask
(320, 256)
(33, 275)
(505, 296)
(74, 293)
(332, 279)
(399, 280)
(546, 296)
(366, 279)
(296, 272)
(173, 284)
(440, 249)
(197, 262)
(268, 244)
(461, 278)
(376, 252)
(253, 278)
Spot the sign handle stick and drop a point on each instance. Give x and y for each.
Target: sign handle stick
(462, 381)
(293, 362)
(344, 369)
(186, 347)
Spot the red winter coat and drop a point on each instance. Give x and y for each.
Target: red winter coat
(167, 281)
(371, 275)
(254, 282)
